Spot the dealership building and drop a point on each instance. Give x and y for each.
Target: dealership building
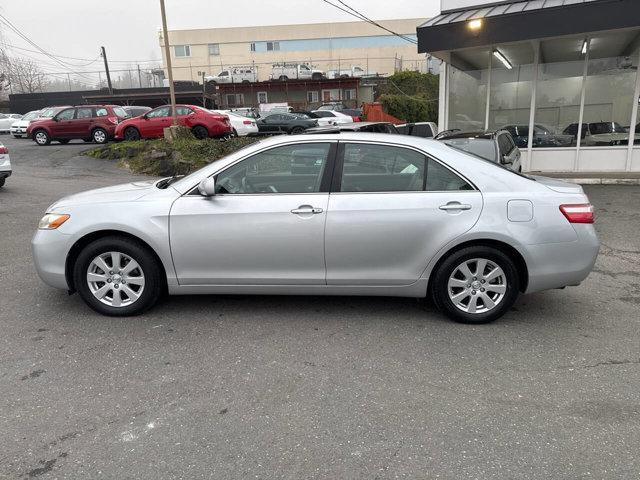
(561, 75)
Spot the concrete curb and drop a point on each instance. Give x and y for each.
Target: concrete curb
(602, 181)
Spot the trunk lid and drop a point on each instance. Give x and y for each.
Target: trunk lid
(558, 185)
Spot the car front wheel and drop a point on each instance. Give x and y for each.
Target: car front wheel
(477, 284)
(118, 276)
(131, 134)
(41, 137)
(296, 130)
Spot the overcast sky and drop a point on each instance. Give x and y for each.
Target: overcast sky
(128, 28)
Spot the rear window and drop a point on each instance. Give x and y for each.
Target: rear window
(476, 146)
(120, 112)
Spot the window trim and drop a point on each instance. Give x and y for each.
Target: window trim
(185, 46)
(336, 183)
(209, 45)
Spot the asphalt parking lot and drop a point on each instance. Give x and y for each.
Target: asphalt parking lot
(300, 387)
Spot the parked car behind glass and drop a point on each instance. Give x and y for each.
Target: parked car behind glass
(497, 147)
(202, 122)
(346, 214)
(600, 133)
(542, 136)
(95, 123)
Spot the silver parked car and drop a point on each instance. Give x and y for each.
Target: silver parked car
(345, 213)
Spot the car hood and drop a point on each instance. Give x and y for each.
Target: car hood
(558, 185)
(118, 193)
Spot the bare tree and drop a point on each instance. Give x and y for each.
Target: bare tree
(23, 75)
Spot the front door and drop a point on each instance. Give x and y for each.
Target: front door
(155, 122)
(391, 209)
(264, 226)
(63, 125)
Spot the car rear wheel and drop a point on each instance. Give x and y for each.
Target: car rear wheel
(283, 78)
(296, 130)
(475, 285)
(99, 135)
(41, 137)
(200, 132)
(131, 134)
(117, 276)
(2, 180)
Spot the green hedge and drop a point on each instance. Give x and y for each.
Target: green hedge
(162, 158)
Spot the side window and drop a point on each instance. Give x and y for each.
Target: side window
(286, 169)
(159, 112)
(183, 111)
(440, 179)
(504, 144)
(101, 112)
(84, 112)
(381, 168)
(66, 114)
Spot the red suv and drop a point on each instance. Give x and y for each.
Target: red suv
(202, 123)
(95, 123)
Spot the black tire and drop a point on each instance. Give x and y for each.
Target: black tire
(131, 134)
(316, 76)
(17, 136)
(234, 133)
(296, 131)
(246, 81)
(2, 180)
(64, 141)
(200, 132)
(154, 280)
(41, 137)
(440, 281)
(283, 78)
(100, 136)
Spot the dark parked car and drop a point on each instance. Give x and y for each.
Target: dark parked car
(418, 129)
(203, 123)
(497, 147)
(600, 133)
(95, 123)
(542, 136)
(373, 127)
(136, 110)
(290, 123)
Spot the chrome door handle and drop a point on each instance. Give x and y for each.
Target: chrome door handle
(455, 206)
(308, 210)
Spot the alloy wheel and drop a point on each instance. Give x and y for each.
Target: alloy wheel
(41, 138)
(100, 136)
(115, 279)
(477, 285)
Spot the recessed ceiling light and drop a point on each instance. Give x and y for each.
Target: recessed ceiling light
(584, 47)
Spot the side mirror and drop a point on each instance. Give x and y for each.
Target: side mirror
(207, 187)
(55, 119)
(145, 117)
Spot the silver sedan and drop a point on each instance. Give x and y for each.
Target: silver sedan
(330, 214)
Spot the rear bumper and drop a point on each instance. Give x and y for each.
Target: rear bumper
(50, 249)
(5, 173)
(557, 265)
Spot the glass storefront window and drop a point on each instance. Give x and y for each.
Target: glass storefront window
(468, 80)
(511, 88)
(609, 89)
(559, 91)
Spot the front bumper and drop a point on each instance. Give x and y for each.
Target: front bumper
(50, 249)
(18, 130)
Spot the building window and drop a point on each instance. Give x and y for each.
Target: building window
(511, 90)
(262, 97)
(235, 99)
(273, 46)
(182, 50)
(313, 97)
(332, 95)
(468, 90)
(252, 47)
(350, 94)
(214, 49)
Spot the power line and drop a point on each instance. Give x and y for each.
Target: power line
(354, 13)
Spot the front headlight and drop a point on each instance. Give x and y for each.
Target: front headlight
(51, 221)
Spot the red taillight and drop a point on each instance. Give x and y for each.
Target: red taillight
(3, 150)
(578, 213)
(247, 122)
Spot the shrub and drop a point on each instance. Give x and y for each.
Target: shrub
(411, 109)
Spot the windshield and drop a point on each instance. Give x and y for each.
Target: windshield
(31, 115)
(479, 147)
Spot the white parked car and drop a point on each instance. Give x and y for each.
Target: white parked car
(329, 117)
(5, 164)
(355, 71)
(19, 127)
(302, 71)
(242, 126)
(7, 119)
(234, 75)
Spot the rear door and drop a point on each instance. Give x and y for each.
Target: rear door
(390, 210)
(82, 123)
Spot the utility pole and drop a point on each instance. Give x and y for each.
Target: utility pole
(204, 90)
(106, 69)
(167, 54)
(69, 81)
(139, 78)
